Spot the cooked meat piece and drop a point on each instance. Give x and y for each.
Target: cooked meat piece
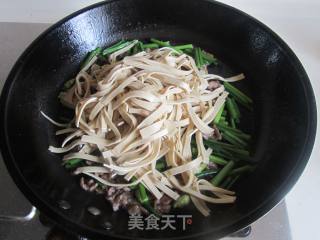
(216, 134)
(134, 209)
(100, 190)
(95, 68)
(208, 136)
(126, 189)
(77, 148)
(163, 205)
(120, 197)
(89, 163)
(211, 165)
(88, 185)
(105, 176)
(137, 209)
(122, 200)
(111, 192)
(213, 85)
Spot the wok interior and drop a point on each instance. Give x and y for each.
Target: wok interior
(279, 121)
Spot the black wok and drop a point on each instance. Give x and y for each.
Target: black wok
(283, 120)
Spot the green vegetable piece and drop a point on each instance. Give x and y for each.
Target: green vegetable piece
(68, 84)
(219, 114)
(231, 140)
(233, 123)
(235, 131)
(116, 47)
(150, 45)
(223, 155)
(238, 95)
(233, 181)
(160, 166)
(194, 151)
(236, 107)
(226, 153)
(222, 173)
(198, 58)
(146, 203)
(142, 194)
(242, 170)
(217, 160)
(73, 163)
(202, 167)
(135, 49)
(165, 44)
(224, 113)
(226, 182)
(183, 47)
(237, 139)
(160, 43)
(224, 122)
(182, 201)
(209, 57)
(206, 173)
(133, 179)
(189, 52)
(92, 54)
(213, 144)
(231, 109)
(138, 196)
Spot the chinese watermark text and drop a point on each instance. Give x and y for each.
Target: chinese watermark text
(153, 222)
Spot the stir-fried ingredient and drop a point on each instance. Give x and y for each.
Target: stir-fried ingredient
(148, 120)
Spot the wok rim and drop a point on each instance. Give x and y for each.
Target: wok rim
(250, 217)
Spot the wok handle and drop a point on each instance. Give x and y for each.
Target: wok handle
(25, 218)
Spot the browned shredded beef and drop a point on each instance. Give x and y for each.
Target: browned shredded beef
(163, 205)
(211, 165)
(216, 134)
(88, 185)
(120, 198)
(123, 198)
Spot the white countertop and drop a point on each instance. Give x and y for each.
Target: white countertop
(297, 22)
